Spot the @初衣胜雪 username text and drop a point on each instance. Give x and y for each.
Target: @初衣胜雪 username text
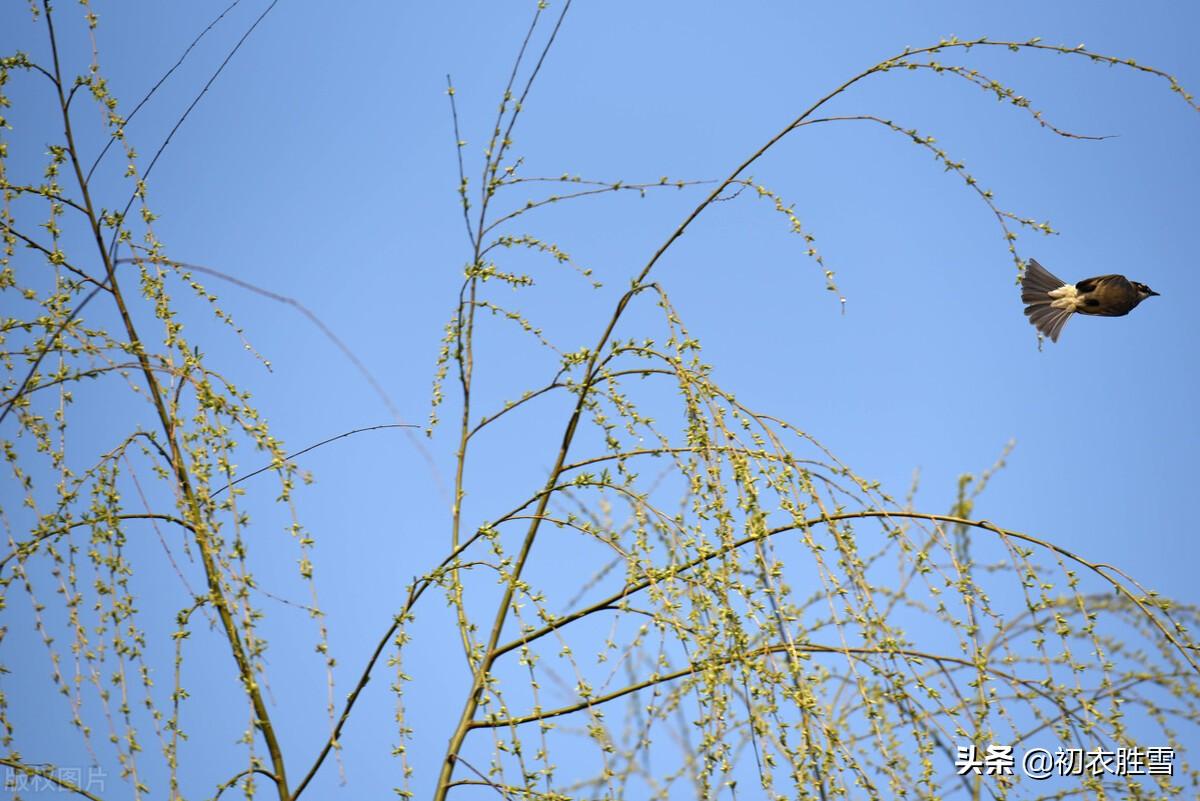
(1042, 763)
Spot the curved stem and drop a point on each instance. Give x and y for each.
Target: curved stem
(1099, 568)
(724, 660)
(23, 548)
(247, 772)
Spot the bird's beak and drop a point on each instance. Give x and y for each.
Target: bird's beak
(1153, 293)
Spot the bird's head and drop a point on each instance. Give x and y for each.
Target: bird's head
(1143, 291)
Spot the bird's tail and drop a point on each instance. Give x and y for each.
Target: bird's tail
(1036, 286)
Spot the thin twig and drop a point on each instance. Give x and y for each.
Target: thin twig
(291, 456)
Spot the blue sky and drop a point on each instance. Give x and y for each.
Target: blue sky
(321, 165)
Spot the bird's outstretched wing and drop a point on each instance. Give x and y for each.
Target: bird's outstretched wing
(1090, 284)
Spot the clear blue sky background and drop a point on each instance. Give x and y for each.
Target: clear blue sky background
(321, 165)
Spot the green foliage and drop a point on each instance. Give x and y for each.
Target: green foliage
(761, 610)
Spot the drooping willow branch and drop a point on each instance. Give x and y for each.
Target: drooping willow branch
(785, 648)
(1101, 569)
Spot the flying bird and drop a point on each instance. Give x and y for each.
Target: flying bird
(1050, 302)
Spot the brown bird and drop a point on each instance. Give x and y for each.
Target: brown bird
(1049, 301)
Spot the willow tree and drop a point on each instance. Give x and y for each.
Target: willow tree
(764, 621)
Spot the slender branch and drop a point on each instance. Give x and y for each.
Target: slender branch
(1004, 93)
(56, 257)
(459, 144)
(44, 192)
(670, 572)
(614, 187)
(183, 118)
(247, 772)
(93, 372)
(696, 667)
(39, 68)
(291, 456)
(484, 421)
(113, 138)
(483, 779)
(556, 384)
(24, 548)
